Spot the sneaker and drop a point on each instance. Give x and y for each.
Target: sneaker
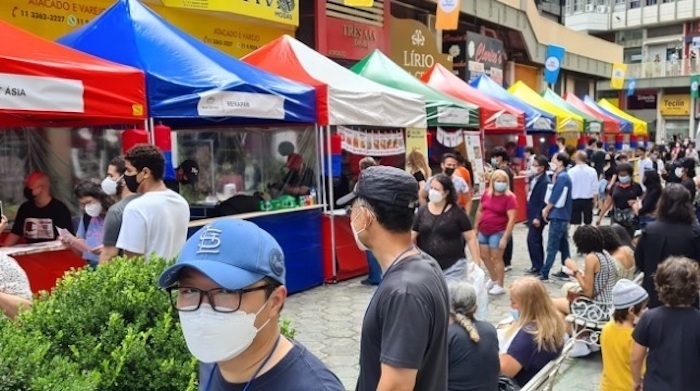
(508, 268)
(544, 279)
(496, 290)
(490, 284)
(531, 270)
(562, 276)
(594, 348)
(580, 349)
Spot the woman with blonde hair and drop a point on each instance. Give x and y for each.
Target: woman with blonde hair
(472, 346)
(495, 220)
(536, 337)
(417, 163)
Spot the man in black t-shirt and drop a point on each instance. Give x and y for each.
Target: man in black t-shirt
(300, 178)
(404, 332)
(38, 218)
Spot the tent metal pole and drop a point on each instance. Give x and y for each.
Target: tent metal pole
(151, 136)
(331, 206)
(320, 165)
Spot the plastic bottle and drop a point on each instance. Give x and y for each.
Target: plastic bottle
(312, 195)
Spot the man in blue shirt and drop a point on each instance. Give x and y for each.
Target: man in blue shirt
(228, 288)
(558, 214)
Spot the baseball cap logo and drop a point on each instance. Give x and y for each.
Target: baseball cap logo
(209, 241)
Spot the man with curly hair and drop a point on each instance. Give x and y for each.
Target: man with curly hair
(668, 337)
(156, 222)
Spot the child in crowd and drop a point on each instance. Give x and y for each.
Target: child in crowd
(629, 301)
(668, 337)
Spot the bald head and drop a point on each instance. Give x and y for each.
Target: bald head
(581, 157)
(37, 188)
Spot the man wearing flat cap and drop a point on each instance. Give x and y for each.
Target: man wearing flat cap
(404, 332)
(228, 288)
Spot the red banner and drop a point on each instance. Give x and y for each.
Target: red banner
(352, 40)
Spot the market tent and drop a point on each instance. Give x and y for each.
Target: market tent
(495, 116)
(625, 125)
(566, 120)
(442, 110)
(591, 124)
(610, 124)
(536, 120)
(343, 98)
(47, 84)
(639, 126)
(188, 82)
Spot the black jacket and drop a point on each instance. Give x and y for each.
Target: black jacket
(536, 202)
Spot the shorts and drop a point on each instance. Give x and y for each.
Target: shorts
(492, 240)
(602, 189)
(582, 208)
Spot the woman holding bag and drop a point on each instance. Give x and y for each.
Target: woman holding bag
(624, 194)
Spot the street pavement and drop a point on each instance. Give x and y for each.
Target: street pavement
(328, 321)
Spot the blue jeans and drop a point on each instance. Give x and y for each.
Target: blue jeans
(375, 271)
(644, 220)
(557, 241)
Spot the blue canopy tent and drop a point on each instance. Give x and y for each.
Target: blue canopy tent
(625, 125)
(189, 83)
(536, 121)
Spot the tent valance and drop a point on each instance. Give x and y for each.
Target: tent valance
(566, 120)
(590, 124)
(639, 127)
(610, 124)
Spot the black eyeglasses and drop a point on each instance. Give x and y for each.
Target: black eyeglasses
(188, 299)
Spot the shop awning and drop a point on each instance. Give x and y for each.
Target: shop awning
(536, 120)
(610, 125)
(495, 116)
(625, 125)
(566, 120)
(189, 83)
(591, 124)
(639, 126)
(442, 110)
(343, 98)
(43, 83)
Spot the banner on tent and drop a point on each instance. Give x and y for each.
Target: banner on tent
(372, 142)
(416, 138)
(34, 93)
(240, 104)
(450, 139)
(472, 142)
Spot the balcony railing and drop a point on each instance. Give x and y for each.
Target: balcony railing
(647, 70)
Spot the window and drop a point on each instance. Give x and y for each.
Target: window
(634, 4)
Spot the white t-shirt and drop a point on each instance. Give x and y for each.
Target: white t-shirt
(155, 223)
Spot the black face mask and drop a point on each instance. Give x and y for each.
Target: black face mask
(449, 171)
(185, 180)
(131, 183)
(28, 194)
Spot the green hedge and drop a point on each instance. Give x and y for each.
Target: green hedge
(109, 329)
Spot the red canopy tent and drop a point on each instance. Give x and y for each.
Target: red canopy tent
(43, 83)
(495, 116)
(610, 124)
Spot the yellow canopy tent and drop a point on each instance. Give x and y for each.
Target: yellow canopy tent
(566, 120)
(640, 127)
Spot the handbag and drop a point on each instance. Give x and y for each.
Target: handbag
(624, 217)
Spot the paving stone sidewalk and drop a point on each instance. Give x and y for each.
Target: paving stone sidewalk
(328, 321)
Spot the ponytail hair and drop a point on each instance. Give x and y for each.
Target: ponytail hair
(463, 306)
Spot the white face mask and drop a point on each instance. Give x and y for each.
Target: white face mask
(109, 186)
(434, 196)
(214, 336)
(679, 172)
(93, 209)
(357, 233)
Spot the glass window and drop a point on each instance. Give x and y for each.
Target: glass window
(232, 161)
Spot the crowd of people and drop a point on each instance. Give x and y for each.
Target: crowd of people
(421, 329)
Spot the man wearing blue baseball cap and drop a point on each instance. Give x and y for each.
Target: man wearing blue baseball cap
(228, 288)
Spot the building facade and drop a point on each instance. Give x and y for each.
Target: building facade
(661, 41)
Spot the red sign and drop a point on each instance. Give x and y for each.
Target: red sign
(351, 40)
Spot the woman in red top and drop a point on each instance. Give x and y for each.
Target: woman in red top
(495, 220)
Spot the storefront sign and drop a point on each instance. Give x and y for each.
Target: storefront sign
(675, 104)
(53, 19)
(416, 138)
(484, 55)
(240, 104)
(372, 143)
(352, 40)
(34, 93)
(453, 43)
(279, 11)
(414, 47)
(641, 100)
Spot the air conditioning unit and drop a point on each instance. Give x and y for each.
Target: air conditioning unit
(602, 9)
(590, 7)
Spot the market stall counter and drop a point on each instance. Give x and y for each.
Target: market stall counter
(44, 263)
(298, 231)
(350, 260)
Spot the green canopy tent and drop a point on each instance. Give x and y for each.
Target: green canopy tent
(590, 124)
(441, 109)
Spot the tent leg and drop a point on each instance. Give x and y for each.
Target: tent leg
(329, 175)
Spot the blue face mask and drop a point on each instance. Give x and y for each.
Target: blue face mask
(500, 186)
(494, 162)
(515, 314)
(624, 179)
